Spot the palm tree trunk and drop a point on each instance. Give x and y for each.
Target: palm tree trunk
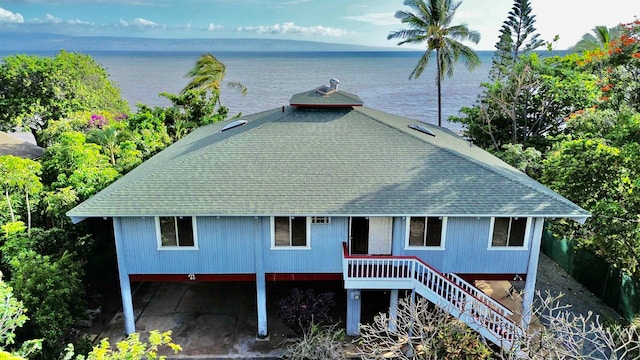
(439, 77)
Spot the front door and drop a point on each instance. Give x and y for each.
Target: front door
(371, 235)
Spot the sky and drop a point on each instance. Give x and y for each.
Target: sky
(358, 22)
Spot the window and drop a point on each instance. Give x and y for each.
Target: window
(509, 232)
(290, 231)
(426, 232)
(176, 232)
(321, 220)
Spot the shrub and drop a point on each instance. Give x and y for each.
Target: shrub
(302, 308)
(318, 342)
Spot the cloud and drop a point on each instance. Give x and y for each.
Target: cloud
(50, 19)
(291, 28)
(382, 19)
(7, 16)
(140, 23)
(214, 27)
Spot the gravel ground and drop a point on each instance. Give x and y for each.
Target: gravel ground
(553, 278)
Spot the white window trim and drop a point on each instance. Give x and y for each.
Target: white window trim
(527, 236)
(273, 235)
(194, 226)
(443, 235)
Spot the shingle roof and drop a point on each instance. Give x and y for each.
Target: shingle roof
(325, 161)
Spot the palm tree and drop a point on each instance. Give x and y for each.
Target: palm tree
(430, 22)
(600, 38)
(208, 74)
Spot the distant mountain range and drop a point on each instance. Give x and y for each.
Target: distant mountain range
(18, 42)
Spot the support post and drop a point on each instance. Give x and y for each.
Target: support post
(532, 272)
(393, 309)
(353, 311)
(125, 284)
(261, 287)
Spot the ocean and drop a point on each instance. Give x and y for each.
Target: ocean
(380, 78)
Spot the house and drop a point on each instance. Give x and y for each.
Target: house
(327, 188)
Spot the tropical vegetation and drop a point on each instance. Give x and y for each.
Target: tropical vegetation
(91, 138)
(430, 21)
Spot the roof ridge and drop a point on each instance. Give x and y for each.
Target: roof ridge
(479, 163)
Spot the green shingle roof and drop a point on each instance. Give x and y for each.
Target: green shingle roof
(325, 161)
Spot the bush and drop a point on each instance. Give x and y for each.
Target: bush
(318, 342)
(302, 308)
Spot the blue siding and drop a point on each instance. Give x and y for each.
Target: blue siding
(466, 250)
(226, 246)
(325, 255)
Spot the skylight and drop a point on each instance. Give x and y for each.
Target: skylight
(233, 124)
(422, 129)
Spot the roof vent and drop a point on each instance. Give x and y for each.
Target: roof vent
(422, 129)
(233, 124)
(328, 90)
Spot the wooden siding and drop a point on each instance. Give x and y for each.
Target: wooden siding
(324, 256)
(465, 249)
(225, 246)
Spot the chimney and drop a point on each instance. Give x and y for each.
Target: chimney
(334, 84)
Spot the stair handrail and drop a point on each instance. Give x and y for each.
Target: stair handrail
(500, 309)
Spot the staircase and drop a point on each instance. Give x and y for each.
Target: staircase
(461, 299)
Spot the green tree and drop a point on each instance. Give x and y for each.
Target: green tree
(517, 37)
(12, 317)
(72, 162)
(130, 348)
(36, 89)
(430, 22)
(190, 109)
(21, 176)
(110, 137)
(52, 289)
(599, 38)
(595, 166)
(208, 74)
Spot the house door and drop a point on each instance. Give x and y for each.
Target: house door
(371, 235)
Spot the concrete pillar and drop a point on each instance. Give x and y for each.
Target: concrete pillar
(353, 311)
(393, 309)
(123, 274)
(532, 271)
(261, 286)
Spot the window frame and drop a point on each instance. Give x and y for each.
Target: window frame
(443, 234)
(527, 234)
(290, 247)
(194, 229)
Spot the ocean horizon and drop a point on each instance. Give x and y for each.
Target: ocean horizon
(380, 78)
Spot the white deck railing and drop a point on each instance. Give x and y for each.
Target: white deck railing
(458, 297)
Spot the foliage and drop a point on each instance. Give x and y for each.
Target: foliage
(18, 175)
(12, 317)
(72, 162)
(208, 74)
(52, 289)
(191, 109)
(419, 331)
(517, 37)
(130, 348)
(597, 168)
(600, 39)
(430, 22)
(302, 308)
(317, 342)
(38, 89)
(526, 160)
(530, 104)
